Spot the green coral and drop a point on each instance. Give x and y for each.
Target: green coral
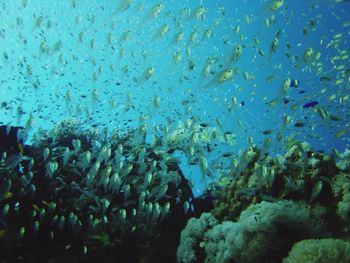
(319, 251)
(191, 248)
(341, 190)
(264, 230)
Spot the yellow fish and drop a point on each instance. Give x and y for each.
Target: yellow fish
(9, 195)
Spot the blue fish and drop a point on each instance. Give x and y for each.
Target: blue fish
(310, 104)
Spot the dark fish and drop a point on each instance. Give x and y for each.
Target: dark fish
(294, 83)
(310, 104)
(266, 132)
(3, 104)
(302, 91)
(227, 154)
(170, 151)
(335, 118)
(325, 78)
(298, 124)
(242, 103)
(208, 147)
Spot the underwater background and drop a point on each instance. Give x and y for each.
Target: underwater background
(181, 131)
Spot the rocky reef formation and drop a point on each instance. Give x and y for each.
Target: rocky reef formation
(264, 205)
(87, 195)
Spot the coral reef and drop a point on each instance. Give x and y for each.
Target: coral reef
(81, 193)
(319, 251)
(262, 231)
(266, 204)
(300, 175)
(192, 236)
(87, 195)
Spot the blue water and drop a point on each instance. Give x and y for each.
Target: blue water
(42, 59)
